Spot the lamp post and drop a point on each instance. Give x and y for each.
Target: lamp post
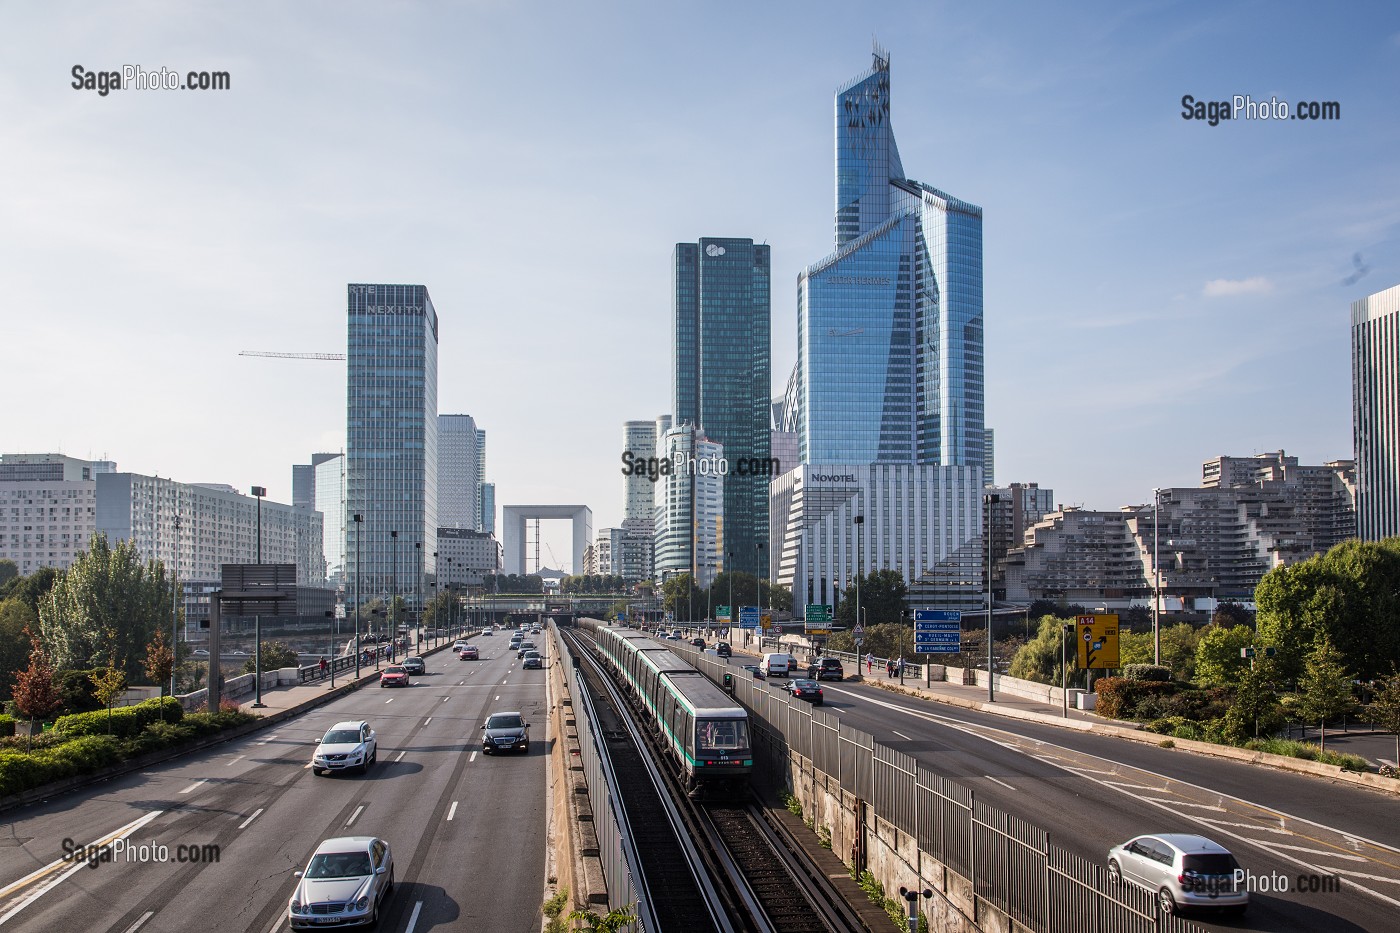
(1065, 630)
(418, 585)
(175, 608)
(258, 493)
(359, 519)
(454, 597)
(758, 546)
(1156, 580)
(991, 498)
(394, 593)
(729, 569)
(859, 521)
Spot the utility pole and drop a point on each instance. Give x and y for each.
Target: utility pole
(359, 520)
(991, 674)
(258, 493)
(860, 535)
(1156, 580)
(175, 608)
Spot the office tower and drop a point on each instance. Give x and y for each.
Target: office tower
(474, 555)
(304, 481)
(391, 434)
(722, 374)
(691, 526)
(487, 507)
(329, 487)
(482, 519)
(989, 457)
(459, 478)
(1375, 413)
(889, 357)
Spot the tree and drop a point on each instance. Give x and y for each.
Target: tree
(1218, 659)
(1256, 705)
(160, 662)
(275, 656)
(8, 571)
(107, 685)
(34, 693)
(882, 595)
(1385, 709)
(1179, 644)
(33, 588)
(1324, 690)
(681, 596)
(16, 621)
(1039, 658)
(106, 605)
(439, 612)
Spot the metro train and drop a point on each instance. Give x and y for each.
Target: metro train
(706, 731)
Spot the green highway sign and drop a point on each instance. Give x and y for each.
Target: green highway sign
(817, 612)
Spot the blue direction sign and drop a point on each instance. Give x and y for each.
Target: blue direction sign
(937, 631)
(748, 617)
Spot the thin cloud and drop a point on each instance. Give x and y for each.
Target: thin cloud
(1217, 288)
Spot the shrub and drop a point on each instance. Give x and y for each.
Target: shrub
(1149, 672)
(1119, 698)
(122, 722)
(76, 689)
(1309, 752)
(7, 725)
(1166, 743)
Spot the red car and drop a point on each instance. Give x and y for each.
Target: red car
(393, 677)
(469, 653)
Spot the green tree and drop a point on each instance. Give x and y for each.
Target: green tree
(1039, 658)
(1385, 709)
(16, 621)
(275, 656)
(160, 662)
(9, 570)
(1324, 690)
(680, 595)
(106, 605)
(35, 695)
(1179, 644)
(777, 596)
(1255, 708)
(742, 588)
(1218, 660)
(33, 588)
(882, 595)
(439, 612)
(108, 684)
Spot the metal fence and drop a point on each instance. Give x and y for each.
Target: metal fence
(1010, 863)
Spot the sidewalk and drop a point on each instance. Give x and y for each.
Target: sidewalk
(282, 698)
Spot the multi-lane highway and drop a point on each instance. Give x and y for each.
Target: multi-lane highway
(1090, 791)
(467, 831)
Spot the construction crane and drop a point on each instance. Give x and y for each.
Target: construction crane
(293, 356)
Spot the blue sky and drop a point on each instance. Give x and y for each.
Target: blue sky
(1158, 291)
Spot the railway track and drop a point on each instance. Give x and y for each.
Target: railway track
(760, 882)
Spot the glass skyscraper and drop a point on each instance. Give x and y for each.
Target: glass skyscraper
(721, 336)
(1375, 376)
(391, 435)
(459, 479)
(890, 365)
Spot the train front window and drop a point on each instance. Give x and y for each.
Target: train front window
(722, 735)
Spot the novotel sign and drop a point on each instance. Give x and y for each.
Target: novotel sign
(832, 477)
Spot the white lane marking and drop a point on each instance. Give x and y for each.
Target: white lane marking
(355, 814)
(1002, 783)
(413, 919)
(498, 696)
(1160, 790)
(1361, 874)
(390, 700)
(141, 922)
(194, 785)
(1325, 852)
(471, 758)
(256, 814)
(444, 699)
(1087, 770)
(461, 683)
(901, 735)
(400, 758)
(59, 863)
(428, 720)
(1267, 829)
(1167, 801)
(268, 739)
(451, 811)
(305, 766)
(236, 759)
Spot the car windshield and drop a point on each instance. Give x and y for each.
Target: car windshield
(339, 865)
(341, 737)
(804, 684)
(503, 722)
(393, 670)
(721, 735)
(1210, 863)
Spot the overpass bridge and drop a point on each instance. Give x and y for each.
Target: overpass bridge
(562, 609)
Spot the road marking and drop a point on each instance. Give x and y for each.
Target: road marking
(59, 865)
(452, 811)
(1267, 829)
(428, 720)
(1330, 854)
(1089, 770)
(305, 766)
(1167, 801)
(268, 739)
(444, 699)
(901, 735)
(141, 922)
(461, 683)
(1002, 783)
(471, 758)
(390, 700)
(1160, 790)
(413, 919)
(498, 696)
(355, 814)
(256, 813)
(194, 785)
(400, 758)
(1335, 871)
(236, 759)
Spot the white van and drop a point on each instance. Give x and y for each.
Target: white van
(777, 665)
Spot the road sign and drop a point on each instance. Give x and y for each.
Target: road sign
(818, 612)
(748, 617)
(1098, 641)
(937, 615)
(765, 621)
(858, 632)
(937, 631)
(722, 612)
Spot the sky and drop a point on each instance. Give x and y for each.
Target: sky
(1158, 291)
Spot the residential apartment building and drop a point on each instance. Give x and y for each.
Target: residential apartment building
(48, 509)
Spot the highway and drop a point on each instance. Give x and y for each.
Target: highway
(467, 831)
(1090, 792)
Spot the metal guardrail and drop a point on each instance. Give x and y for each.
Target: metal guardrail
(311, 673)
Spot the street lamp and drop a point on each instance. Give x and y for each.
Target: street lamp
(394, 593)
(729, 569)
(258, 493)
(418, 573)
(859, 521)
(359, 520)
(175, 608)
(991, 498)
(1156, 581)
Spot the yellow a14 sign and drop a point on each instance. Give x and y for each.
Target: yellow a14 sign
(1098, 641)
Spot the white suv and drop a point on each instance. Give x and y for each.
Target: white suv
(346, 745)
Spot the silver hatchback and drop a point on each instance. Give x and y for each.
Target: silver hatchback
(1184, 871)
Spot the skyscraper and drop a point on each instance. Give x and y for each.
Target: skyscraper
(721, 337)
(392, 434)
(889, 364)
(459, 479)
(1375, 373)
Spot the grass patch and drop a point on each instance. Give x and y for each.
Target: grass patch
(893, 909)
(1308, 751)
(794, 806)
(554, 911)
(1166, 743)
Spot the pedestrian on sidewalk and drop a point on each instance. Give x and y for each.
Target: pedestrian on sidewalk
(324, 665)
(869, 662)
(899, 668)
(889, 668)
